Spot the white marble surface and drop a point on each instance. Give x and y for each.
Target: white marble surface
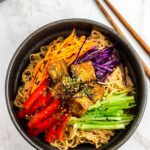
(19, 18)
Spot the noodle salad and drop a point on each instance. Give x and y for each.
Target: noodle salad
(76, 90)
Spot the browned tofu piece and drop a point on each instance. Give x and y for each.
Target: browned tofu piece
(59, 93)
(56, 70)
(84, 72)
(96, 91)
(79, 104)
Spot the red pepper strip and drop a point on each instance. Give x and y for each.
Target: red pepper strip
(50, 137)
(36, 94)
(42, 126)
(60, 131)
(40, 102)
(26, 112)
(22, 113)
(37, 104)
(45, 124)
(48, 96)
(56, 132)
(34, 132)
(43, 114)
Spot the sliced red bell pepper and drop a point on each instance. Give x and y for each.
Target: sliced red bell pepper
(34, 96)
(22, 113)
(40, 102)
(59, 134)
(46, 123)
(56, 132)
(37, 93)
(43, 114)
(34, 132)
(50, 137)
(42, 126)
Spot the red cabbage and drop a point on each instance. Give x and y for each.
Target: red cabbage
(103, 61)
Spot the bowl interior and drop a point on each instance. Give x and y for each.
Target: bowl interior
(44, 36)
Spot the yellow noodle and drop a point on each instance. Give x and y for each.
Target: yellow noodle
(96, 137)
(115, 82)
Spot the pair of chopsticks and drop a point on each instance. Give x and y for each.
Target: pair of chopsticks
(127, 25)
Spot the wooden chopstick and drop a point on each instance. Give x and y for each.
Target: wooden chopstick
(109, 18)
(129, 27)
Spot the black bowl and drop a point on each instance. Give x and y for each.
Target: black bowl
(44, 36)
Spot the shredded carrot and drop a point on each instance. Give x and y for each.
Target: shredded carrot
(68, 39)
(37, 67)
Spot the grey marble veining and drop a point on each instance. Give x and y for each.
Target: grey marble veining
(19, 18)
